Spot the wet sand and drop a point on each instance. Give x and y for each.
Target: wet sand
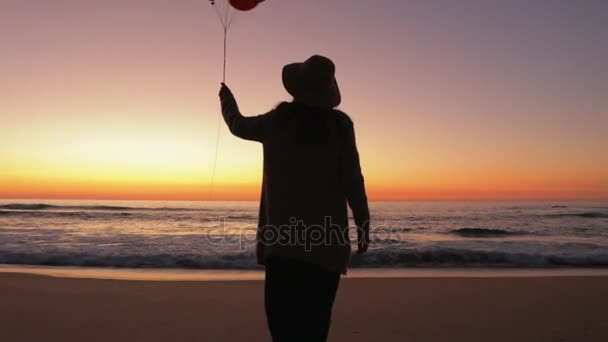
(535, 309)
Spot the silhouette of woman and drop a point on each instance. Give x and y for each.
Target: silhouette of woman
(311, 173)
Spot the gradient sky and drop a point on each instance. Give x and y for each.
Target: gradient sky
(451, 99)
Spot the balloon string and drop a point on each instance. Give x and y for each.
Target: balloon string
(217, 144)
(219, 125)
(225, 38)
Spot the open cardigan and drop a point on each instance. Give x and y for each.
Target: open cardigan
(311, 172)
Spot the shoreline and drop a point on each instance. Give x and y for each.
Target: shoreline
(158, 274)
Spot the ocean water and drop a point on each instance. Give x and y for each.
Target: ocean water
(221, 235)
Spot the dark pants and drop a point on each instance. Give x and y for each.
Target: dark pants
(299, 297)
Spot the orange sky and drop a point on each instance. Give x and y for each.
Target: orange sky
(118, 99)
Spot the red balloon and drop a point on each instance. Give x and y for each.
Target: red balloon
(244, 5)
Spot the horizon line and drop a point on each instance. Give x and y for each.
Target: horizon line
(257, 200)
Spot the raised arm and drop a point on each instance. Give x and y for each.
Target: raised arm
(254, 128)
(355, 187)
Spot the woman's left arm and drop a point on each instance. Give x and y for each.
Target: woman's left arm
(254, 128)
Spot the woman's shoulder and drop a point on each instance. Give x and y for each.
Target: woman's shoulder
(343, 116)
(283, 106)
(342, 119)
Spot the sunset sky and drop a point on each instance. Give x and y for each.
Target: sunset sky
(479, 99)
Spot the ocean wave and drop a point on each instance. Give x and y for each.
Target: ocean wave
(588, 214)
(34, 206)
(465, 257)
(243, 260)
(103, 215)
(382, 229)
(378, 258)
(484, 232)
(52, 214)
(44, 207)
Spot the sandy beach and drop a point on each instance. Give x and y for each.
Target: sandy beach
(42, 308)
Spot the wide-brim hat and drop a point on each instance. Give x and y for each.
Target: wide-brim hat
(313, 82)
